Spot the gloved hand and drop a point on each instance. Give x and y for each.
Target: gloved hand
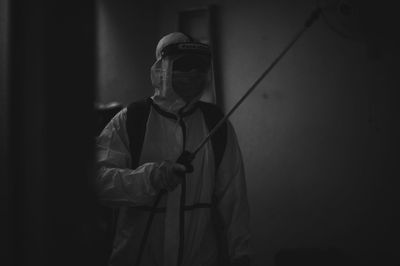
(167, 175)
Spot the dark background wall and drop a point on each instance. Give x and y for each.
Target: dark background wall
(4, 23)
(47, 92)
(126, 38)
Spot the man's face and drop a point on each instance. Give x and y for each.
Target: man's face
(189, 75)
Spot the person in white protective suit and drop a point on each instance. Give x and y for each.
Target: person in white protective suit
(181, 230)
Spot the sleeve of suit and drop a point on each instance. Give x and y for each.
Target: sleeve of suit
(232, 202)
(116, 183)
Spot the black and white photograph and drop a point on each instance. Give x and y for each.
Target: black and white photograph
(199, 133)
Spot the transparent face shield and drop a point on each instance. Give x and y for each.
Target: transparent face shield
(183, 67)
(191, 63)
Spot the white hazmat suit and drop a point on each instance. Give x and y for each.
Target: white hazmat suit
(132, 192)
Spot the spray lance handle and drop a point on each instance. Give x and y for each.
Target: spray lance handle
(186, 159)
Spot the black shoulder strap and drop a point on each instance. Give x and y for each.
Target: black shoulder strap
(212, 115)
(137, 116)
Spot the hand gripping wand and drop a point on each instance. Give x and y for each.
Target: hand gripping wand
(187, 157)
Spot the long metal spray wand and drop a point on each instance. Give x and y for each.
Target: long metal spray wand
(188, 157)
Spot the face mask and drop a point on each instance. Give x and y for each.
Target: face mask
(188, 85)
(189, 75)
